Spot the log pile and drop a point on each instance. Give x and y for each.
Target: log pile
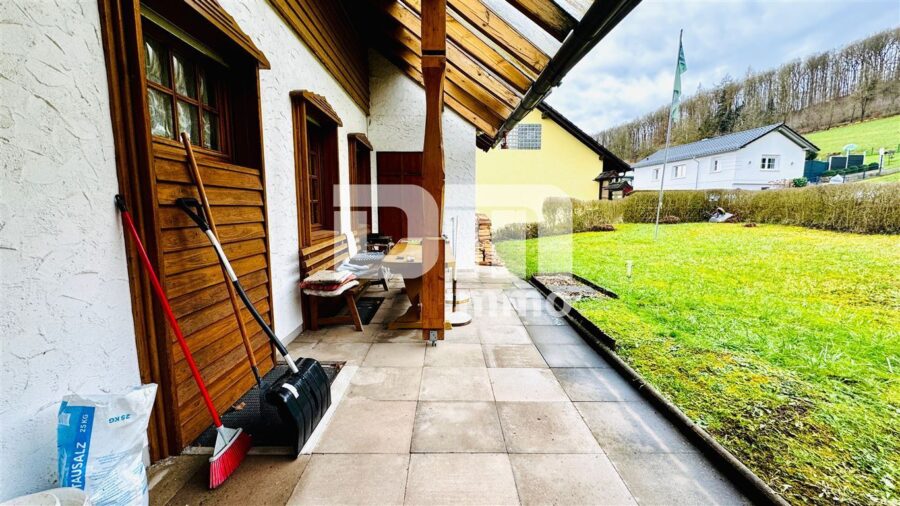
(484, 253)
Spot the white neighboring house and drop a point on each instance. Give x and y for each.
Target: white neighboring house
(754, 159)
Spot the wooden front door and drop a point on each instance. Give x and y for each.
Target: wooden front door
(399, 168)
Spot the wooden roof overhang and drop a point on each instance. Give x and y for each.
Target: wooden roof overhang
(491, 66)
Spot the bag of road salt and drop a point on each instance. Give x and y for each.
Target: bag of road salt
(100, 441)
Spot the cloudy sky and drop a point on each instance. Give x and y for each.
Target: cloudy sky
(630, 72)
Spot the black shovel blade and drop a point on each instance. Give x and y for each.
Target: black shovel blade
(301, 398)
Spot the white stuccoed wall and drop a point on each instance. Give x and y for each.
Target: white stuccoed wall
(66, 323)
(294, 67)
(397, 123)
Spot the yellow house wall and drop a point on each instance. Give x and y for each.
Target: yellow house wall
(512, 184)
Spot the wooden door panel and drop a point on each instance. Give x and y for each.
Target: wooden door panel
(399, 168)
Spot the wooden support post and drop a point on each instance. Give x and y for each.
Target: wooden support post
(434, 68)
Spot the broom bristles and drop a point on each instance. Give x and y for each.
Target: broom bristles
(226, 460)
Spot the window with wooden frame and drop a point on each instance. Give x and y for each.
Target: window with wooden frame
(316, 164)
(360, 155)
(185, 91)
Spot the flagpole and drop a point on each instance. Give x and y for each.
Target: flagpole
(662, 177)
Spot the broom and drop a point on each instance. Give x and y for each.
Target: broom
(195, 174)
(232, 445)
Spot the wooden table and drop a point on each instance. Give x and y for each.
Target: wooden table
(405, 258)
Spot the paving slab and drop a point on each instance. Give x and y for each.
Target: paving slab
(349, 479)
(675, 478)
(366, 426)
(464, 334)
(592, 384)
(395, 355)
(348, 334)
(383, 335)
(352, 353)
(166, 477)
(545, 427)
(546, 334)
(460, 478)
(570, 355)
(454, 355)
(632, 427)
(260, 479)
(457, 427)
(386, 383)
(455, 384)
(541, 318)
(504, 334)
(526, 385)
(568, 479)
(513, 355)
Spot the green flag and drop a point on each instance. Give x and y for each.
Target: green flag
(681, 68)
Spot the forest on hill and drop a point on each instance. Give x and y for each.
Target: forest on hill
(854, 83)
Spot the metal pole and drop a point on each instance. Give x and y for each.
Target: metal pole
(662, 177)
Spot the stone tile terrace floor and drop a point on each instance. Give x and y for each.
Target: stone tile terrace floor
(514, 408)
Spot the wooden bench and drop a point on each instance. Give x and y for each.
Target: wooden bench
(330, 254)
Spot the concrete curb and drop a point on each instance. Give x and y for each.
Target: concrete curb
(739, 474)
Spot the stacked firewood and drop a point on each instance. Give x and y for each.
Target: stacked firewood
(484, 253)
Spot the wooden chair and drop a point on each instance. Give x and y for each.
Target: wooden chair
(328, 254)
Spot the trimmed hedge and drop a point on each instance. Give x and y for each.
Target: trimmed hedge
(865, 209)
(843, 208)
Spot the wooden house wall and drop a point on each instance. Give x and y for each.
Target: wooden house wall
(195, 284)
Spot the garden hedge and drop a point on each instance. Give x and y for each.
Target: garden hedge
(866, 209)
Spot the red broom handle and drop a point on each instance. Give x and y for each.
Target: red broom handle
(154, 280)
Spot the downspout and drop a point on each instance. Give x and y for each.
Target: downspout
(597, 22)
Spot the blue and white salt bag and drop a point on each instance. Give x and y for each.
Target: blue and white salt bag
(100, 442)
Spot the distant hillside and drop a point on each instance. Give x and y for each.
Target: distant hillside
(869, 136)
(860, 81)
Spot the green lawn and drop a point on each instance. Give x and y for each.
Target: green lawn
(783, 342)
(890, 178)
(869, 136)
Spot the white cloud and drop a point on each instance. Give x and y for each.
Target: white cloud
(630, 72)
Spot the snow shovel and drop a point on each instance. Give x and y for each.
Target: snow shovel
(232, 445)
(195, 174)
(301, 395)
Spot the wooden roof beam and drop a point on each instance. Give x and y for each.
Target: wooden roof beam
(466, 105)
(548, 15)
(467, 42)
(462, 70)
(496, 29)
(404, 28)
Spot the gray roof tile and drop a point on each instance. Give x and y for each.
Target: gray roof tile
(721, 144)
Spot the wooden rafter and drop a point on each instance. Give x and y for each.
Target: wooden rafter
(495, 28)
(409, 62)
(485, 99)
(462, 71)
(492, 26)
(467, 42)
(548, 15)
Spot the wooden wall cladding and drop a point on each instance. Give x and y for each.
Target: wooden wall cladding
(327, 30)
(196, 287)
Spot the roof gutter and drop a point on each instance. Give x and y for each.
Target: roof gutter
(597, 22)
